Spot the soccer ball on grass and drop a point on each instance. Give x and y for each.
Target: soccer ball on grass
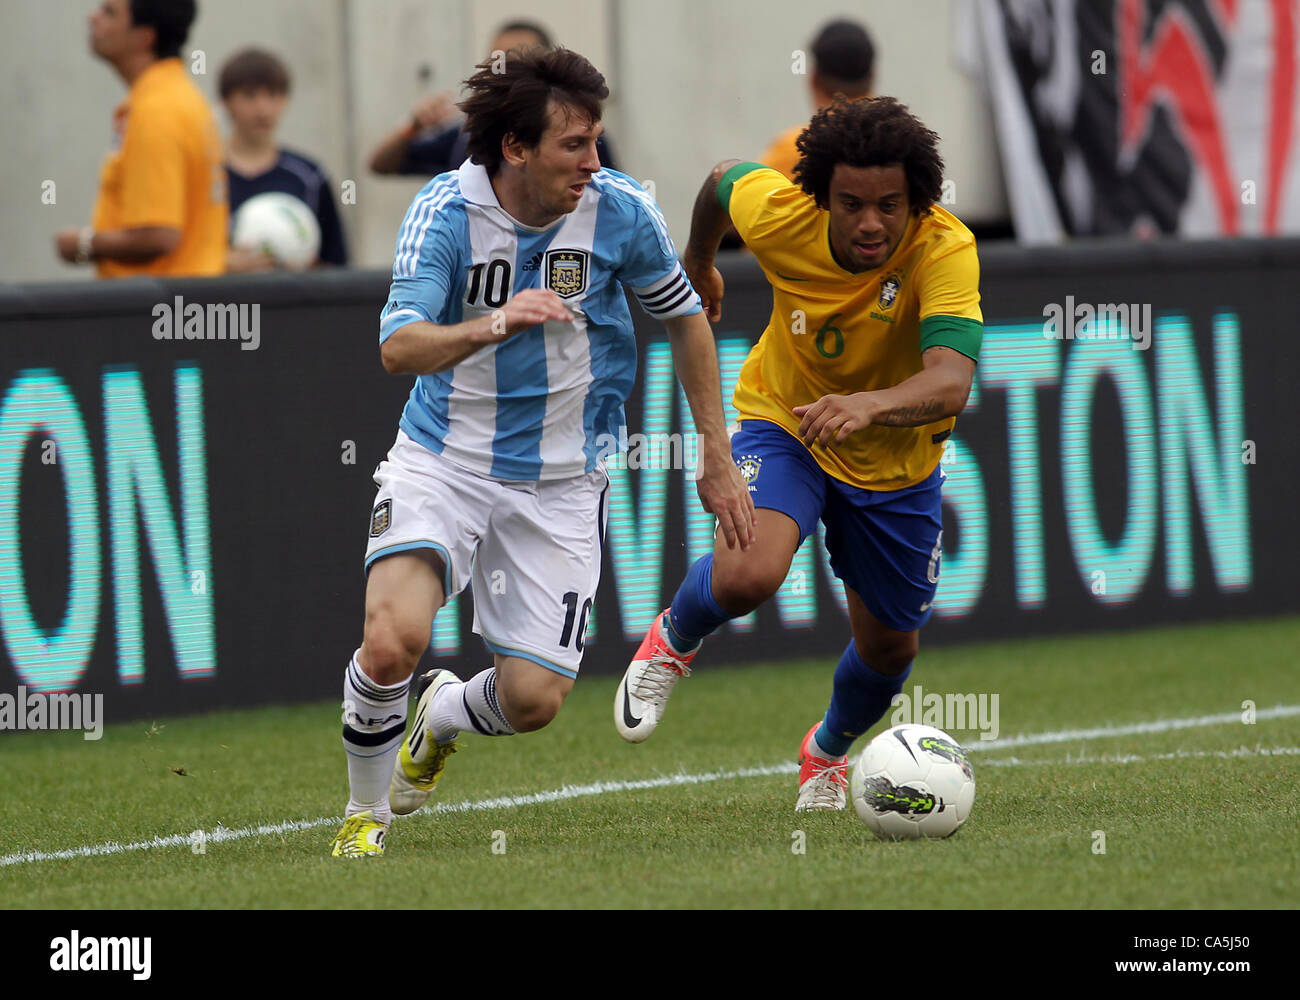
(913, 782)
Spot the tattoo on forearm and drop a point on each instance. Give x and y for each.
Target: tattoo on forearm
(911, 416)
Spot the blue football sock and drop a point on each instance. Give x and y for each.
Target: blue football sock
(694, 612)
(859, 697)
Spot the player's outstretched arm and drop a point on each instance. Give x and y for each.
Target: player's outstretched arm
(709, 222)
(423, 348)
(721, 487)
(937, 392)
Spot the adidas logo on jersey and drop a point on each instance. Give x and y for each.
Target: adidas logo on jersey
(533, 263)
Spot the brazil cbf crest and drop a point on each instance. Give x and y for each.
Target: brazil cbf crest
(889, 289)
(749, 466)
(566, 272)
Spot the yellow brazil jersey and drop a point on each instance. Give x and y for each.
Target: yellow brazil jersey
(166, 170)
(835, 332)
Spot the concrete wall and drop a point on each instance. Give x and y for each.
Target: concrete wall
(691, 83)
(59, 102)
(711, 81)
(404, 49)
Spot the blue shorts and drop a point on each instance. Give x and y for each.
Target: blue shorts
(885, 544)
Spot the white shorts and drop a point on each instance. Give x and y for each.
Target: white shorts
(530, 549)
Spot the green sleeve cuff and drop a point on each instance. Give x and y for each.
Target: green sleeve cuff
(728, 180)
(961, 333)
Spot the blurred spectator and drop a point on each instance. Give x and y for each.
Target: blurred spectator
(432, 142)
(842, 62)
(161, 207)
(254, 87)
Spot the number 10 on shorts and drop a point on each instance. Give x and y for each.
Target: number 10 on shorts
(570, 601)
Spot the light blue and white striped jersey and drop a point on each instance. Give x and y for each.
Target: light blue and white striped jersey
(541, 404)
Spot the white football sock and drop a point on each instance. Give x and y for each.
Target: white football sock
(472, 706)
(374, 725)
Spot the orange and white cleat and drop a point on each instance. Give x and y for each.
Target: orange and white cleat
(649, 680)
(823, 782)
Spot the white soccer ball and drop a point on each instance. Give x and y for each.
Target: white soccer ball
(280, 226)
(912, 782)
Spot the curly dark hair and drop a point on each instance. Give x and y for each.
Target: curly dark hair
(869, 132)
(515, 102)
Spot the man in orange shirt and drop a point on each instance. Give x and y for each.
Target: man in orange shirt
(162, 206)
(843, 59)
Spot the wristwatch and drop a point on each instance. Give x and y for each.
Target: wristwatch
(84, 239)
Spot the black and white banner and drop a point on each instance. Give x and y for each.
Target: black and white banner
(1142, 117)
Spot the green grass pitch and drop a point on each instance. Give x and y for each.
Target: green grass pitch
(1199, 815)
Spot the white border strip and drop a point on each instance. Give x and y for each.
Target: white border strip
(222, 835)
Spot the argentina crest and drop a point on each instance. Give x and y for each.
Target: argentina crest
(566, 272)
(381, 518)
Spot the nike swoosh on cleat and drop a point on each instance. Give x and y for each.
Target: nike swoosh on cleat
(629, 720)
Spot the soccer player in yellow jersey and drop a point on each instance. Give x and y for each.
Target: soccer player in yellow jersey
(162, 207)
(844, 405)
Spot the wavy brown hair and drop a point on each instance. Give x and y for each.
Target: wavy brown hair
(870, 132)
(515, 102)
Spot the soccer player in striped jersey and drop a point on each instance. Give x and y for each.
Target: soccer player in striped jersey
(844, 405)
(507, 304)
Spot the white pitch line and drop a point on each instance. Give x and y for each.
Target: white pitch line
(1133, 758)
(1132, 729)
(222, 835)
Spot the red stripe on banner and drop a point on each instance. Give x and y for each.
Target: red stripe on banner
(1227, 12)
(1281, 110)
(1176, 67)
